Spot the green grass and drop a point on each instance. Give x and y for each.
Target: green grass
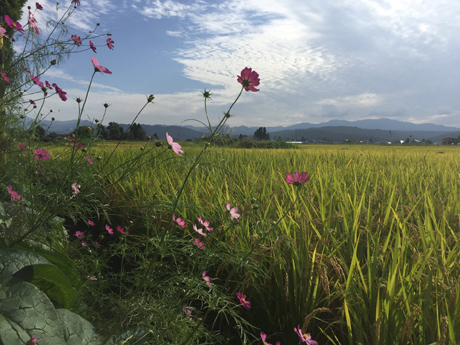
(368, 254)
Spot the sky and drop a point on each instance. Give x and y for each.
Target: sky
(318, 60)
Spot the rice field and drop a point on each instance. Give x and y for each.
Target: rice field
(367, 252)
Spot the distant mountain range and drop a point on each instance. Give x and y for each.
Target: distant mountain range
(335, 130)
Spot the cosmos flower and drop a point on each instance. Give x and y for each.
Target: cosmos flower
(109, 230)
(75, 188)
(199, 244)
(179, 221)
(3, 32)
(174, 146)
(12, 24)
(249, 79)
(305, 338)
(205, 223)
(92, 46)
(38, 6)
(206, 278)
(98, 67)
(3, 74)
(41, 154)
(297, 180)
(233, 211)
(76, 40)
(110, 43)
(200, 231)
(246, 304)
(33, 23)
(80, 234)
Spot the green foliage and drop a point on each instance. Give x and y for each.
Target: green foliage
(261, 133)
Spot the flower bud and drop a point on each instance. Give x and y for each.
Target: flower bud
(78, 100)
(106, 105)
(150, 98)
(206, 94)
(227, 115)
(28, 7)
(96, 120)
(99, 158)
(53, 119)
(84, 150)
(158, 144)
(22, 116)
(142, 148)
(53, 62)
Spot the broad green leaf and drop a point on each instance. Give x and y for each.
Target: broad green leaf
(12, 260)
(77, 330)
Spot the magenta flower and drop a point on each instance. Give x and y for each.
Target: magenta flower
(119, 228)
(109, 229)
(98, 67)
(233, 211)
(91, 277)
(89, 160)
(200, 231)
(96, 245)
(110, 43)
(14, 195)
(91, 223)
(48, 85)
(75, 188)
(297, 180)
(249, 79)
(60, 92)
(187, 311)
(3, 74)
(206, 278)
(76, 2)
(199, 244)
(80, 234)
(33, 23)
(83, 244)
(92, 46)
(179, 221)
(22, 147)
(242, 298)
(38, 6)
(174, 146)
(41, 154)
(36, 80)
(264, 337)
(305, 338)
(76, 40)
(12, 24)
(32, 102)
(205, 223)
(32, 341)
(3, 32)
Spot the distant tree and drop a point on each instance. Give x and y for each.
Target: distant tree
(407, 141)
(262, 134)
(115, 131)
(101, 132)
(138, 132)
(40, 133)
(370, 140)
(84, 131)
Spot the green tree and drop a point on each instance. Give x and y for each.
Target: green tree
(115, 131)
(262, 134)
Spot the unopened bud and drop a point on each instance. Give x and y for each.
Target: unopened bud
(22, 116)
(53, 62)
(109, 34)
(96, 120)
(150, 98)
(158, 144)
(106, 105)
(227, 115)
(28, 7)
(99, 158)
(53, 119)
(78, 100)
(98, 24)
(142, 148)
(13, 39)
(44, 89)
(84, 150)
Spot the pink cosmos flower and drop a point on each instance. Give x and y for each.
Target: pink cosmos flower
(199, 244)
(76, 2)
(32, 341)
(48, 85)
(75, 188)
(91, 277)
(242, 298)
(187, 311)
(80, 234)
(109, 229)
(179, 221)
(297, 180)
(119, 228)
(41, 154)
(233, 211)
(36, 80)
(60, 92)
(32, 102)
(38, 6)
(83, 244)
(305, 338)
(3, 74)
(76, 40)
(12, 24)
(92, 46)
(263, 336)
(205, 223)
(249, 79)
(89, 160)
(3, 32)
(14, 195)
(206, 278)
(33, 23)
(110, 43)
(174, 146)
(96, 245)
(91, 223)
(98, 67)
(22, 147)
(200, 231)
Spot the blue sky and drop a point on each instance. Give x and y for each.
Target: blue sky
(318, 60)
